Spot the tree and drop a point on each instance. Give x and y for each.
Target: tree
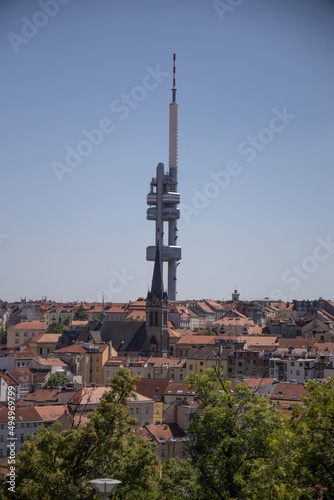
(66, 321)
(313, 425)
(55, 327)
(57, 379)
(3, 335)
(240, 447)
(81, 314)
(179, 481)
(57, 464)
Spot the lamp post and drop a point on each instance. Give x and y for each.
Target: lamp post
(105, 486)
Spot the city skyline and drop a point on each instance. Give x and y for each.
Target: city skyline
(85, 123)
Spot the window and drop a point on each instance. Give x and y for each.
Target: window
(146, 411)
(190, 367)
(162, 453)
(137, 411)
(17, 334)
(97, 368)
(97, 358)
(131, 411)
(201, 363)
(1, 437)
(181, 376)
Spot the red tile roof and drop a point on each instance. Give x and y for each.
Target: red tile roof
(50, 413)
(47, 338)
(21, 375)
(29, 325)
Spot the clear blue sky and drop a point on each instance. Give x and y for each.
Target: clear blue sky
(239, 68)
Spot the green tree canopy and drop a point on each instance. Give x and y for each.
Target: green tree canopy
(57, 464)
(313, 426)
(57, 379)
(56, 327)
(81, 314)
(240, 447)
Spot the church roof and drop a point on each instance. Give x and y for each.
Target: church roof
(157, 288)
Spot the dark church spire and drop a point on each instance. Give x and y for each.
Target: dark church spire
(157, 288)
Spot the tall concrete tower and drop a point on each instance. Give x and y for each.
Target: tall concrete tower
(164, 198)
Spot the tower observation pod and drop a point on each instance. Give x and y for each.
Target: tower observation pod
(164, 199)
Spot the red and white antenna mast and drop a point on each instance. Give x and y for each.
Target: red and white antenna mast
(174, 81)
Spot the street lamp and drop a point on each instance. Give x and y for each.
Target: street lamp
(105, 486)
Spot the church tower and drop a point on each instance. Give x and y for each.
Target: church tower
(157, 340)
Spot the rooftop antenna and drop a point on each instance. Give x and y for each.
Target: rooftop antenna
(174, 89)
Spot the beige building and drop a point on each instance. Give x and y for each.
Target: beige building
(170, 439)
(78, 359)
(185, 343)
(204, 357)
(58, 314)
(44, 344)
(26, 330)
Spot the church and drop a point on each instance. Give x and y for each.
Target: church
(134, 338)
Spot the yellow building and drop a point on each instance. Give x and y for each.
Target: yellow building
(26, 330)
(204, 357)
(99, 355)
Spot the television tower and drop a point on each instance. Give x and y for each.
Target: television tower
(164, 198)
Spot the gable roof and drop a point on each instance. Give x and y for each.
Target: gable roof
(151, 387)
(166, 432)
(45, 362)
(29, 325)
(179, 389)
(21, 375)
(43, 395)
(47, 338)
(197, 339)
(50, 413)
(125, 336)
(288, 392)
(22, 414)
